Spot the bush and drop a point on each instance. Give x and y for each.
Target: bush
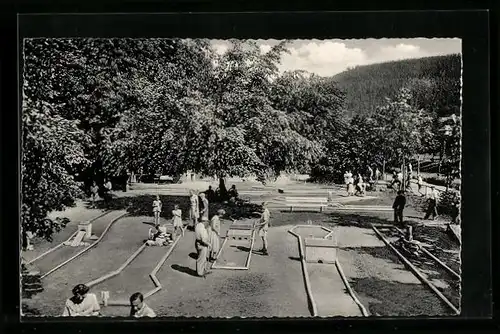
(447, 202)
(440, 182)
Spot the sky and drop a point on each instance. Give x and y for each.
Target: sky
(329, 57)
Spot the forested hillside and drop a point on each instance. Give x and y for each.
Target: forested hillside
(367, 86)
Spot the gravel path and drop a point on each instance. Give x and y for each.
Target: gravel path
(273, 286)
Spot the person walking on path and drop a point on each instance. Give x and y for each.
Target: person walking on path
(94, 190)
(398, 206)
(194, 211)
(82, 304)
(138, 308)
(177, 219)
(347, 177)
(157, 211)
(203, 207)
(107, 190)
(214, 235)
(420, 183)
(202, 245)
(263, 227)
(377, 174)
(432, 205)
(370, 171)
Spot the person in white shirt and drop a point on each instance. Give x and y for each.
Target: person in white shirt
(263, 227)
(420, 183)
(138, 308)
(157, 210)
(432, 205)
(107, 190)
(194, 211)
(82, 304)
(202, 245)
(370, 171)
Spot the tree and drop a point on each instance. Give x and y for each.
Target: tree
(219, 120)
(52, 152)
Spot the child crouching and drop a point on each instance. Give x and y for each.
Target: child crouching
(159, 237)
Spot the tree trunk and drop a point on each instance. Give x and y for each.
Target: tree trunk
(222, 189)
(383, 170)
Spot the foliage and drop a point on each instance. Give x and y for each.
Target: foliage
(366, 141)
(52, 150)
(368, 86)
(448, 201)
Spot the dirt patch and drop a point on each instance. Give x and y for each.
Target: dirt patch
(386, 298)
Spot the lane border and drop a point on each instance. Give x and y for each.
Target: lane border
(62, 243)
(247, 262)
(87, 248)
(152, 275)
(351, 292)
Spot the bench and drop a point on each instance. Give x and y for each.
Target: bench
(306, 202)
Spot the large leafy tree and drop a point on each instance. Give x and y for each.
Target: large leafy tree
(217, 118)
(53, 150)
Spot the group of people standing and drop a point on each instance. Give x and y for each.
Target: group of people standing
(355, 185)
(106, 192)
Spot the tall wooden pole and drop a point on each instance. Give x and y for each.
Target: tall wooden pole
(383, 170)
(418, 164)
(403, 185)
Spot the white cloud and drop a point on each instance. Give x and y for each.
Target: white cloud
(398, 52)
(322, 58)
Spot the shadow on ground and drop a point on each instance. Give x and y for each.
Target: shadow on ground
(185, 270)
(142, 206)
(384, 297)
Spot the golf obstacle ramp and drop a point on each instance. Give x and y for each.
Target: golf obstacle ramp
(236, 250)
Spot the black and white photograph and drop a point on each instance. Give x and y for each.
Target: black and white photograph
(173, 177)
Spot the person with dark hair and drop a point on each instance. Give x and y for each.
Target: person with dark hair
(233, 193)
(107, 190)
(432, 204)
(210, 193)
(398, 206)
(82, 304)
(138, 308)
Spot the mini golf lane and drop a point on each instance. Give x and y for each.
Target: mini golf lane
(328, 289)
(135, 276)
(272, 287)
(123, 238)
(64, 253)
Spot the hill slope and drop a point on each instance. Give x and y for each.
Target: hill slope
(367, 86)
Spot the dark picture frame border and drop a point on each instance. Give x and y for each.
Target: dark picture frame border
(472, 26)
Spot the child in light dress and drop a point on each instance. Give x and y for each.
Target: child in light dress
(177, 219)
(157, 211)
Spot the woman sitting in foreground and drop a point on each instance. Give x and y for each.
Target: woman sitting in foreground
(82, 304)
